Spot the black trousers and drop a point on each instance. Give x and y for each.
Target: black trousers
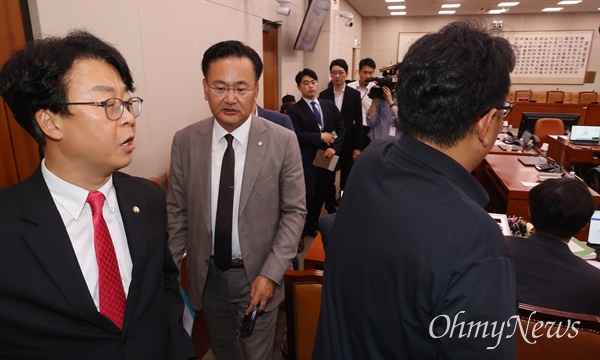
(317, 187)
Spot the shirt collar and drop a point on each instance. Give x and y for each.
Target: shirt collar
(308, 101)
(73, 197)
(240, 134)
(444, 164)
(341, 92)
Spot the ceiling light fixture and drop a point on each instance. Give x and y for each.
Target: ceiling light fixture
(569, 2)
(393, 1)
(552, 9)
(397, 13)
(450, 6)
(397, 7)
(446, 12)
(509, 4)
(496, 11)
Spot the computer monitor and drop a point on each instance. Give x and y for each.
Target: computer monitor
(528, 120)
(594, 234)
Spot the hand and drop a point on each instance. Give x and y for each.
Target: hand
(388, 95)
(355, 154)
(328, 154)
(262, 290)
(327, 138)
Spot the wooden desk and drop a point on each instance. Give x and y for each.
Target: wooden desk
(567, 153)
(589, 113)
(502, 177)
(315, 257)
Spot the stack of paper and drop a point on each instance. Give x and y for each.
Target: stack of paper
(581, 249)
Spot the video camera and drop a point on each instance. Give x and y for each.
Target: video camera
(388, 79)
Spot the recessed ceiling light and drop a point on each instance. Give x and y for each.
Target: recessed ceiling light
(569, 2)
(392, 1)
(397, 7)
(450, 6)
(509, 4)
(496, 11)
(446, 12)
(552, 9)
(397, 13)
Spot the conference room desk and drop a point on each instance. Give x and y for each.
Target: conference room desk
(315, 257)
(581, 156)
(502, 177)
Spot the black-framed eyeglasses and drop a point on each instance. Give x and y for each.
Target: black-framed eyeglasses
(222, 91)
(114, 107)
(503, 110)
(506, 109)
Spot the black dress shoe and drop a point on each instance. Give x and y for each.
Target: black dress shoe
(301, 245)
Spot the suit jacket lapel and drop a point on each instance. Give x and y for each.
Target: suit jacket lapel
(50, 243)
(135, 230)
(201, 168)
(258, 142)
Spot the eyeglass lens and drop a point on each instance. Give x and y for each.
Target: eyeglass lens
(114, 107)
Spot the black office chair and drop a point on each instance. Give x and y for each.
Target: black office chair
(593, 179)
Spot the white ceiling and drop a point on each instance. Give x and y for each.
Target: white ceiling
(379, 8)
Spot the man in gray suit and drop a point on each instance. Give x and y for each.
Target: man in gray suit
(258, 227)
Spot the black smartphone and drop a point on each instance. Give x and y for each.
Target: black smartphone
(248, 322)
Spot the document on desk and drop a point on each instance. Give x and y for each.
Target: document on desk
(325, 164)
(581, 249)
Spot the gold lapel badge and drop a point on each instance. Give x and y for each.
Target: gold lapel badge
(260, 143)
(136, 210)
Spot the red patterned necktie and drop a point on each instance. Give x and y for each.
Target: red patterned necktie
(112, 295)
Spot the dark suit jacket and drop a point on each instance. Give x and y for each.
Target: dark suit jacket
(550, 275)
(307, 129)
(352, 115)
(46, 311)
(276, 117)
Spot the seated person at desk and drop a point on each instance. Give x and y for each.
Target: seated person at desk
(548, 273)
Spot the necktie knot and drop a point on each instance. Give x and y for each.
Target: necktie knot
(96, 201)
(229, 139)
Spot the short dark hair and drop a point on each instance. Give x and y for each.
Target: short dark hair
(288, 98)
(561, 207)
(232, 48)
(35, 78)
(303, 73)
(449, 79)
(339, 62)
(366, 62)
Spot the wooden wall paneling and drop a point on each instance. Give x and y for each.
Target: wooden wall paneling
(270, 68)
(19, 153)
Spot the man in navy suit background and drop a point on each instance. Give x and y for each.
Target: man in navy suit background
(274, 116)
(73, 95)
(319, 125)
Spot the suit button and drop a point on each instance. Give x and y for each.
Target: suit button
(125, 340)
(206, 261)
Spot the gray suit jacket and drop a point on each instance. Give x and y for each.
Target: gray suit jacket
(272, 203)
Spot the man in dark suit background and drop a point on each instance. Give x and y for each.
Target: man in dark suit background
(274, 116)
(548, 273)
(348, 102)
(319, 125)
(85, 244)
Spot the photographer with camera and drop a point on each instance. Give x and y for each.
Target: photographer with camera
(383, 113)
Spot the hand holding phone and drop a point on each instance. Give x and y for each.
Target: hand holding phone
(248, 323)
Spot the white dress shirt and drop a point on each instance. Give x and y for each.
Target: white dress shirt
(240, 147)
(364, 98)
(339, 97)
(76, 214)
